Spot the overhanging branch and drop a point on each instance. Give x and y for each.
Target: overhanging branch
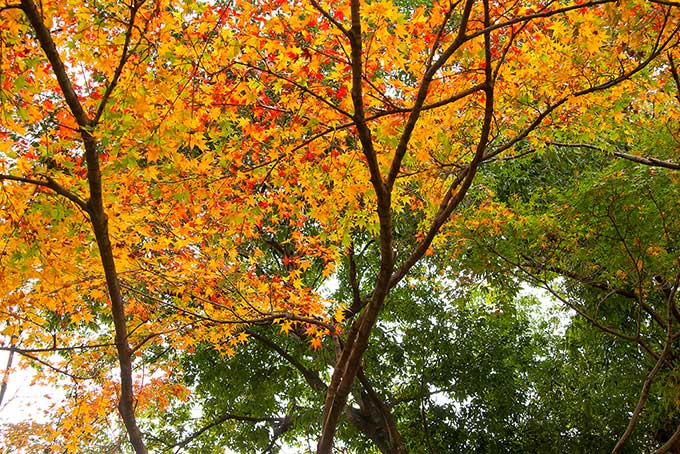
(655, 162)
(49, 183)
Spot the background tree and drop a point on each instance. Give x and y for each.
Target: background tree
(605, 248)
(473, 369)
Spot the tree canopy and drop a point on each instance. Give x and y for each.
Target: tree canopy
(253, 222)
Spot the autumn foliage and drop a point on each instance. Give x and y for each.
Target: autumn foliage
(174, 173)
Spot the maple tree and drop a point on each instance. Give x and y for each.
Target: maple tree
(175, 173)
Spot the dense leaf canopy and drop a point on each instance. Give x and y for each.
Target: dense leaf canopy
(324, 224)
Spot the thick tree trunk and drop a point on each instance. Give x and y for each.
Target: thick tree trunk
(375, 419)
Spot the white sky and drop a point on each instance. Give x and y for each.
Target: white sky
(23, 399)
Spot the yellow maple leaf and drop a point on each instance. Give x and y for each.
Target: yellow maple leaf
(286, 326)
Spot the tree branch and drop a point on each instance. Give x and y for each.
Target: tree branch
(630, 157)
(596, 323)
(226, 416)
(52, 54)
(330, 18)
(554, 106)
(56, 369)
(644, 393)
(665, 2)
(5, 375)
(10, 6)
(544, 283)
(297, 85)
(674, 72)
(602, 286)
(23, 351)
(405, 137)
(125, 55)
(459, 187)
(670, 444)
(311, 377)
(49, 183)
(539, 15)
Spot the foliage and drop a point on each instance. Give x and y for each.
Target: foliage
(179, 177)
(464, 371)
(597, 236)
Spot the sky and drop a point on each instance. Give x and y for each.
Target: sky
(23, 399)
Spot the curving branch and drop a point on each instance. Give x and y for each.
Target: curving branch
(654, 162)
(674, 72)
(311, 377)
(10, 6)
(297, 85)
(124, 57)
(644, 393)
(281, 425)
(672, 443)
(595, 322)
(49, 183)
(263, 318)
(659, 47)
(648, 161)
(53, 348)
(544, 283)
(461, 184)
(642, 401)
(539, 15)
(665, 2)
(454, 194)
(329, 18)
(57, 369)
(602, 286)
(425, 83)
